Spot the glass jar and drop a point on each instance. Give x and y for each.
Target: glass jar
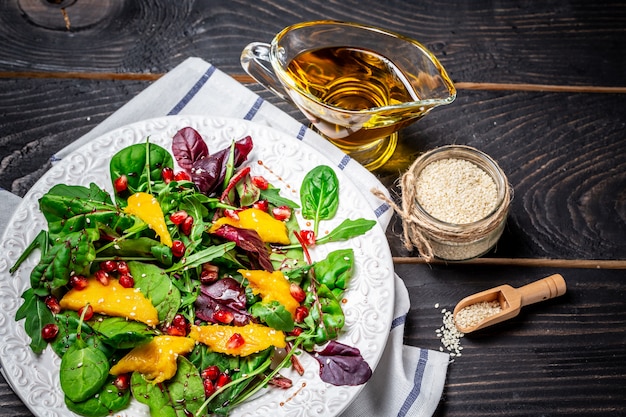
(462, 241)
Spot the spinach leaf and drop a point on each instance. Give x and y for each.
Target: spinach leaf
(319, 195)
(156, 285)
(69, 326)
(335, 270)
(140, 163)
(121, 333)
(325, 319)
(201, 357)
(105, 402)
(69, 208)
(180, 396)
(37, 315)
(84, 370)
(274, 315)
(71, 255)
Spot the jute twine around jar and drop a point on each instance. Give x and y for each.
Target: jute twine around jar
(417, 228)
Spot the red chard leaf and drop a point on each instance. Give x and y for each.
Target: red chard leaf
(188, 147)
(342, 364)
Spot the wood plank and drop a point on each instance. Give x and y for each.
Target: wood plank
(524, 366)
(481, 42)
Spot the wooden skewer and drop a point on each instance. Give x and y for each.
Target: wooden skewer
(528, 262)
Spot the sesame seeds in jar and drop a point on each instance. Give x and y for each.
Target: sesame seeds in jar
(459, 201)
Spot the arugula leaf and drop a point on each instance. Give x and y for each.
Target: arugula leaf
(347, 230)
(40, 242)
(272, 195)
(37, 315)
(319, 195)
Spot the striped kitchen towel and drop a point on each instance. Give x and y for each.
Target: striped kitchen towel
(408, 380)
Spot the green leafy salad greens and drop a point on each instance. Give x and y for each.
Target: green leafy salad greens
(187, 253)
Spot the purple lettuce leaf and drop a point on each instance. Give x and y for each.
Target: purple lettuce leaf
(188, 147)
(249, 241)
(223, 295)
(342, 364)
(208, 173)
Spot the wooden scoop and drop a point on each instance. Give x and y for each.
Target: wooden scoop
(511, 299)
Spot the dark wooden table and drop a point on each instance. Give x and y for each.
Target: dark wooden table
(541, 88)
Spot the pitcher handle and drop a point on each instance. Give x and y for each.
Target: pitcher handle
(255, 61)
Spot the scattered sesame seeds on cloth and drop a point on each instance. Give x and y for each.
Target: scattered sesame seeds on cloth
(408, 380)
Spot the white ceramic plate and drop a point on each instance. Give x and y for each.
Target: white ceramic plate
(284, 161)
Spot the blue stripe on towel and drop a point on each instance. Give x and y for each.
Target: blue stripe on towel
(192, 92)
(254, 109)
(398, 321)
(417, 384)
(344, 162)
(301, 132)
(382, 209)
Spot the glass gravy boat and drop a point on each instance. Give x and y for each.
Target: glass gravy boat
(356, 84)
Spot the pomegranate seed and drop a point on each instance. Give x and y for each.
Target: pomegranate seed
(53, 304)
(301, 313)
(78, 282)
(231, 214)
(108, 266)
(178, 217)
(120, 184)
(210, 372)
(297, 292)
(185, 228)
(281, 213)
(122, 382)
(209, 274)
(178, 248)
(102, 276)
(167, 174)
(297, 331)
(180, 321)
(235, 341)
(262, 205)
(175, 331)
(127, 281)
(122, 268)
(223, 379)
(88, 309)
(307, 237)
(223, 316)
(260, 182)
(209, 387)
(49, 332)
(182, 176)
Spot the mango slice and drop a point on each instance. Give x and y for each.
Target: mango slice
(147, 208)
(256, 337)
(156, 360)
(269, 229)
(273, 286)
(112, 300)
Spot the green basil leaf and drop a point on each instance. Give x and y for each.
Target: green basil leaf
(274, 315)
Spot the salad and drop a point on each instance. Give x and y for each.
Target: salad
(191, 287)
